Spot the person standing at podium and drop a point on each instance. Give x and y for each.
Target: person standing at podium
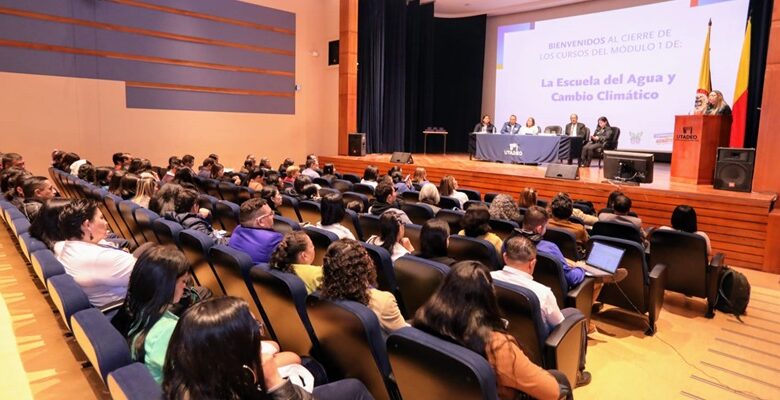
(530, 127)
(511, 127)
(575, 128)
(485, 126)
(716, 105)
(601, 135)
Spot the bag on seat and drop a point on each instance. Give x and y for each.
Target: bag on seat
(733, 292)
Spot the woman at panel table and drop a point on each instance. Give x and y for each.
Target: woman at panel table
(530, 127)
(485, 126)
(600, 136)
(716, 105)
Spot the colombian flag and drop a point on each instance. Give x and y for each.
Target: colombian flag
(705, 83)
(739, 109)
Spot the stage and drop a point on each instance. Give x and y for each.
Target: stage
(735, 222)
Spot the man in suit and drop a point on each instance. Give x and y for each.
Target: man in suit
(578, 133)
(511, 127)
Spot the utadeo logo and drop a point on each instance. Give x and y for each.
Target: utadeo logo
(513, 150)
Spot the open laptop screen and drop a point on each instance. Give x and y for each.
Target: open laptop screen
(604, 257)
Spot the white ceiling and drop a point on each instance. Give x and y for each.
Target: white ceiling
(467, 8)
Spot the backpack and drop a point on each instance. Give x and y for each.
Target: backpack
(733, 292)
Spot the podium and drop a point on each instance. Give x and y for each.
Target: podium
(696, 141)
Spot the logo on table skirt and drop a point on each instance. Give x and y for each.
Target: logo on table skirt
(636, 137)
(514, 150)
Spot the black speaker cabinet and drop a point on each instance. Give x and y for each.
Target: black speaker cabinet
(734, 169)
(562, 171)
(400, 157)
(357, 144)
(333, 52)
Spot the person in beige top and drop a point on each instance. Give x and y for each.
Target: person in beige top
(349, 274)
(294, 255)
(476, 224)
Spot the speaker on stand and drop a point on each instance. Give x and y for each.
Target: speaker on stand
(357, 144)
(734, 169)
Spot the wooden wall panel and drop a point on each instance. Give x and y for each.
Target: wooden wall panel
(348, 22)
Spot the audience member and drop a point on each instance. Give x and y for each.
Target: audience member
(476, 224)
(311, 168)
(86, 172)
(296, 190)
(684, 220)
(504, 207)
(120, 161)
(188, 163)
(561, 209)
(310, 191)
(45, 227)
(254, 235)
(356, 206)
(272, 197)
(144, 191)
(13, 160)
(100, 269)
(464, 309)
(255, 179)
(103, 176)
(284, 165)
(115, 184)
(67, 160)
(370, 175)
(127, 185)
(420, 176)
(402, 184)
(332, 213)
(189, 214)
(205, 169)
(622, 207)
(429, 195)
(265, 163)
(292, 172)
(218, 173)
(249, 164)
(449, 187)
(329, 173)
(35, 191)
(272, 178)
(392, 235)
(527, 198)
(163, 201)
(56, 157)
(349, 274)
(434, 240)
(520, 260)
(174, 165)
(386, 199)
(294, 255)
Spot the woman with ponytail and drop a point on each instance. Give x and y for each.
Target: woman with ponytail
(294, 255)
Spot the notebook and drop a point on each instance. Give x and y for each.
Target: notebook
(603, 260)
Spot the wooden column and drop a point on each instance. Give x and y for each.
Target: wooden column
(348, 31)
(765, 176)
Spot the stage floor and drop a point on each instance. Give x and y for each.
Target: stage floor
(736, 222)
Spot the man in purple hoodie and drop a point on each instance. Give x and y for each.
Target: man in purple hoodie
(254, 236)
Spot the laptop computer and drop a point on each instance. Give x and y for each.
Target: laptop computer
(603, 260)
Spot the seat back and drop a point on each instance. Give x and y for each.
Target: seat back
(351, 342)
(144, 220)
(369, 225)
(466, 248)
(232, 268)
(685, 257)
(490, 196)
(413, 232)
(45, 265)
(352, 222)
(354, 196)
(19, 223)
(67, 296)
(417, 359)
(103, 345)
(324, 183)
(227, 213)
(565, 241)
(553, 129)
(30, 245)
(283, 297)
(341, 185)
(617, 230)
(418, 213)
(321, 240)
(410, 196)
(289, 208)
(285, 225)
(211, 187)
(613, 142)
(636, 284)
(133, 382)
(99, 195)
(228, 191)
(470, 203)
(385, 273)
(452, 217)
(472, 194)
(549, 272)
(244, 194)
(503, 228)
(417, 280)
(195, 246)
(351, 178)
(208, 202)
(167, 231)
(364, 189)
(449, 203)
(112, 207)
(309, 211)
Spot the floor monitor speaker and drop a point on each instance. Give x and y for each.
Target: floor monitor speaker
(400, 157)
(562, 171)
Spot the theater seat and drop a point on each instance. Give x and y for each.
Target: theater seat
(321, 240)
(418, 213)
(133, 382)
(309, 211)
(45, 265)
(418, 361)
(565, 241)
(449, 203)
(352, 344)
(352, 222)
(226, 212)
(549, 272)
(452, 218)
(354, 196)
(351, 178)
(30, 245)
(167, 231)
(413, 232)
(385, 274)
(104, 346)
(617, 230)
(289, 208)
(472, 194)
(144, 219)
(410, 196)
(466, 248)
(341, 185)
(364, 189)
(285, 225)
(417, 279)
(67, 296)
(369, 225)
(503, 228)
(195, 246)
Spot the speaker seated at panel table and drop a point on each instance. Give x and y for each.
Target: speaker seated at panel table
(400, 157)
(734, 169)
(562, 171)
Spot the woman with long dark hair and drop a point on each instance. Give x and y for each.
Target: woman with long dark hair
(476, 224)
(332, 212)
(391, 235)
(465, 310)
(45, 226)
(434, 240)
(294, 255)
(272, 197)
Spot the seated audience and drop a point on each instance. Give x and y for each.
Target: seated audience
(188, 163)
(45, 227)
(272, 197)
(272, 178)
(332, 213)
(420, 176)
(370, 175)
(100, 269)
(562, 208)
(256, 179)
(329, 173)
(255, 235)
(127, 185)
(284, 165)
(296, 190)
(36, 191)
(103, 176)
(449, 187)
(115, 184)
(385, 199)
(520, 260)
(185, 178)
(13, 160)
(189, 214)
(292, 173)
(144, 191)
(163, 200)
(294, 255)
(265, 163)
(684, 220)
(311, 168)
(622, 208)
(145, 170)
(504, 207)
(527, 198)
(349, 274)
(464, 310)
(476, 224)
(87, 172)
(310, 191)
(205, 169)
(67, 160)
(429, 195)
(218, 173)
(56, 157)
(356, 206)
(391, 236)
(11, 180)
(174, 165)
(121, 161)
(434, 240)
(399, 183)
(249, 164)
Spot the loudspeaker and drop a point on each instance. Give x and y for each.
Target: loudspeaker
(562, 171)
(357, 144)
(734, 169)
(401, 158)
(333, 52)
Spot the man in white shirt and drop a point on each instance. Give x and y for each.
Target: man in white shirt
(311, 168)
(520, 259)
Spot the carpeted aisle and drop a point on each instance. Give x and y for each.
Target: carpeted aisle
(13, 380)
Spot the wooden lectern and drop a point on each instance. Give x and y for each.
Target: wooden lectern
(696, 141)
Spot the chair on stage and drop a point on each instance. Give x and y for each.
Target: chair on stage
(609, 145)
(556, 129)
